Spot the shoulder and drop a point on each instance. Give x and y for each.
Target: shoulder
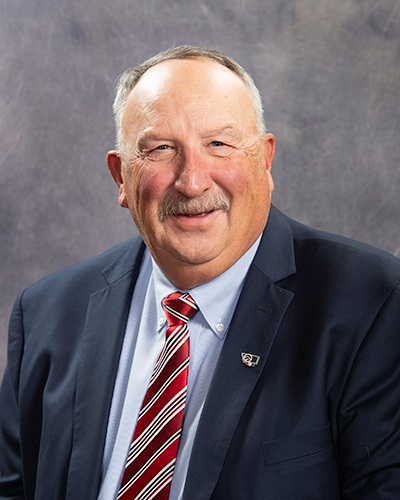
(89, 275)
(340, 274)
(330, 253)
(325, 268)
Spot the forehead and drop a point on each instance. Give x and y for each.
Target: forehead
(192, 84)
(197, 73)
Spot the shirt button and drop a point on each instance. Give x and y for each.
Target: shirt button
(220, 327)
(160, 321)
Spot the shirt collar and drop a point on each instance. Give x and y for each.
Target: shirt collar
(216, 299)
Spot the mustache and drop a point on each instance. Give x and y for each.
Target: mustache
(182, 205)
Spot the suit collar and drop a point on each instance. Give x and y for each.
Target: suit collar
(275, 256)
(126, 261)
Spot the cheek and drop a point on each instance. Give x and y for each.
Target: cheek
(231, 176)
(150, 185)
(242, 180)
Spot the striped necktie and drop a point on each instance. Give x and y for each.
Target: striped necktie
(152, 455)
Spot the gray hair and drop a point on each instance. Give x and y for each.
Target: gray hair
(127, 81)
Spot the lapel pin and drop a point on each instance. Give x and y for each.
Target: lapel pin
(250, 359)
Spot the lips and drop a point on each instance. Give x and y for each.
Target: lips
(195, 220)
(202, 214)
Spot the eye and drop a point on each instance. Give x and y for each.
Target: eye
(161, 152)
(219, 148)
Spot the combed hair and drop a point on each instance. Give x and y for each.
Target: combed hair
(127, 81)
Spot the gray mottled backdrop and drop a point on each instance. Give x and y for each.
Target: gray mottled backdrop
(329, 72)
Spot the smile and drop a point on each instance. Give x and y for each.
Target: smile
(199, 220)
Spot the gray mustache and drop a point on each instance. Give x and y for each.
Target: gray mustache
(181, 205)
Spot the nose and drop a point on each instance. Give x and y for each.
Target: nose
(193, 175)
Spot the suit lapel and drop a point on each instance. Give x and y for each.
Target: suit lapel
(101, 346)
(256, 321)
(257, 317)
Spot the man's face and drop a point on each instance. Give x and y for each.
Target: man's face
(194, 173)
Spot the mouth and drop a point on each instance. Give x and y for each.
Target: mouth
(195, 220)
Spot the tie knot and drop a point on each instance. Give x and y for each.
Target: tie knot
(178, 308)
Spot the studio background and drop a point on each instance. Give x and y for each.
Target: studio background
(329, 73)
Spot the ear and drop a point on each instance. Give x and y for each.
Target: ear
(269, 153)
(269, 150)
(115, 166)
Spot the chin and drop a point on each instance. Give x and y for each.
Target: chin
(194, 258)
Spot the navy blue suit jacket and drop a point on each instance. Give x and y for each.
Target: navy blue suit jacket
(317, 419)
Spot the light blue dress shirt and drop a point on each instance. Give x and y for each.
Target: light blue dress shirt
(143, 342)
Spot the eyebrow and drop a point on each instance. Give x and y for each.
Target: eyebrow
(227, 129)
(147, 136)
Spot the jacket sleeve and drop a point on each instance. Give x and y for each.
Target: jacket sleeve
(11, 483)
(369, 412)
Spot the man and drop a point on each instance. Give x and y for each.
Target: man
(293, 387)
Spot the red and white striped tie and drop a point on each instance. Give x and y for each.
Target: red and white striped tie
(151, 459)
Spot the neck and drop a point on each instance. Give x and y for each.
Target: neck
(188, 275)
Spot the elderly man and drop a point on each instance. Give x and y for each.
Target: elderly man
(228, 353)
